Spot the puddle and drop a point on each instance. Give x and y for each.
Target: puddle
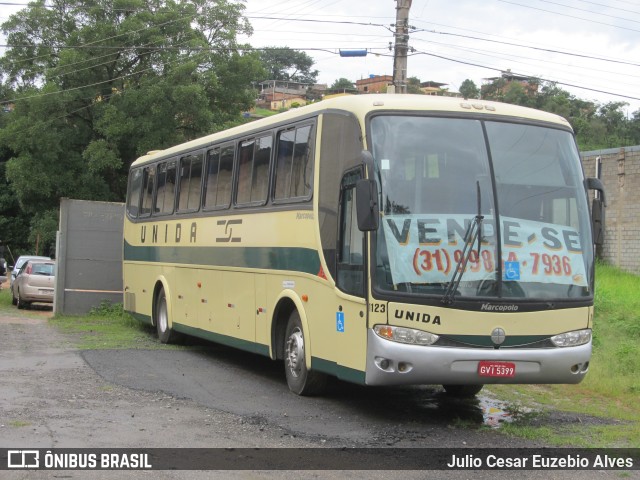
(496, 412)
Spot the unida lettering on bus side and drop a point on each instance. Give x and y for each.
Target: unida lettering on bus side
(166, 234)
(417, 317)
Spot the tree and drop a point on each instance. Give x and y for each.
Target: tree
(342, 84)
(96, 83)
(634, 128)
(468, 89)
(284, 63)
(413, 86)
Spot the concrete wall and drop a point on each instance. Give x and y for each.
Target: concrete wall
(89, 255)
(621, 178)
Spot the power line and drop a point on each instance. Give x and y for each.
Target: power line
(549, 50)
(525, 75)
(495, 54)
(570, 16)
(590, 11)
(92, 84)
(612, 7)
(337, 22)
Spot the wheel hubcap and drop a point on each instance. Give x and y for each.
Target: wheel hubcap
(162, 315)
(295, 352)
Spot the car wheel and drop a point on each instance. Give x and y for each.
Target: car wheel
(165, 333)
(21, 303)
(14, 300)
(300, 380)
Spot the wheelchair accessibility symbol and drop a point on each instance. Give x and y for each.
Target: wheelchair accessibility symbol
(340, 321)
(512, 270)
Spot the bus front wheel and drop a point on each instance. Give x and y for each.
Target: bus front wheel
(165, 332)
(301, 381)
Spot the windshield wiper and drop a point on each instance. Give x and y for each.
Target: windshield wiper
(474, 231)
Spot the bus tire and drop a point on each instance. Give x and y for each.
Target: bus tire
(301, 381)
(463, 391)
(165, 332)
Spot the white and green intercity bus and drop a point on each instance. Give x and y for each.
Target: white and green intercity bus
(379, 239)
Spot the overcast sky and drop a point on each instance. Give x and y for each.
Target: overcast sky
(607, 29)
(444, 51)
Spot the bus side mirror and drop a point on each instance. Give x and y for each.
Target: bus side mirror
(597, 210)
(597, 221)
(367, 208)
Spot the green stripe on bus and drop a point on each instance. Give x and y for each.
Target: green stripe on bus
(332, 368)
(296, 259)
(140, 317)
(223, 339)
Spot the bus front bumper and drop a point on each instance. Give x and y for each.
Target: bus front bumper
(392, 363)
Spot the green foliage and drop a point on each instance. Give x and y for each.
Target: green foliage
(413, 86)
(468, 89)
(284, 63)
(596, 126)
(343, 84)
(607, 398)
(95, 85)
(107, 309)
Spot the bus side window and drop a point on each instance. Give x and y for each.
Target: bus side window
(294, 165)
(166, 188)
(135, 189)
(190, 180)
(217, 186)
(254, 157)
(148, 181)
(351, 240)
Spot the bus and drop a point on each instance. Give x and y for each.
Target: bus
(380, 239)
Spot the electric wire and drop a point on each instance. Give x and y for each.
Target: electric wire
(570, 16)
(525, 75)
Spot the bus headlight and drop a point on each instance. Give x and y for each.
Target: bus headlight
(405, 335)
(572, 339)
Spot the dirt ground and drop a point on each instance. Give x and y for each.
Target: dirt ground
(51, 398)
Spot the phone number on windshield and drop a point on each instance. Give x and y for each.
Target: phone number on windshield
(441, 260)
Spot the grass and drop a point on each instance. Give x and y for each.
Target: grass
(606, 402)
(108, 327)
(264, 112)
(602, 411)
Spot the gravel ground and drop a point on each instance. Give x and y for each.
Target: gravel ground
(51, 398)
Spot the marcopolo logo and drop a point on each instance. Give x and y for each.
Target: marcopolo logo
(488, 307)
(23, 459)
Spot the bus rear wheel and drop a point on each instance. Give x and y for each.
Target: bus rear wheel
(463, 391)
(165, 332)
(301, 381)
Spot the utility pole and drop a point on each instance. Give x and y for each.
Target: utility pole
(401, 46)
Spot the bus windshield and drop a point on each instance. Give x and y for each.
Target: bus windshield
(521, 183)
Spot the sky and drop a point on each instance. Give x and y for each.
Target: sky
(456, 40)
(577, 43)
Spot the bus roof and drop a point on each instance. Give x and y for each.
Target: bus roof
(360, 105)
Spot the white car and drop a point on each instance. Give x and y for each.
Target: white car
(35, 282)
(21, 260)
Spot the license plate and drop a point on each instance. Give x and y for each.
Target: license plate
(45, 292)
(496, 369)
